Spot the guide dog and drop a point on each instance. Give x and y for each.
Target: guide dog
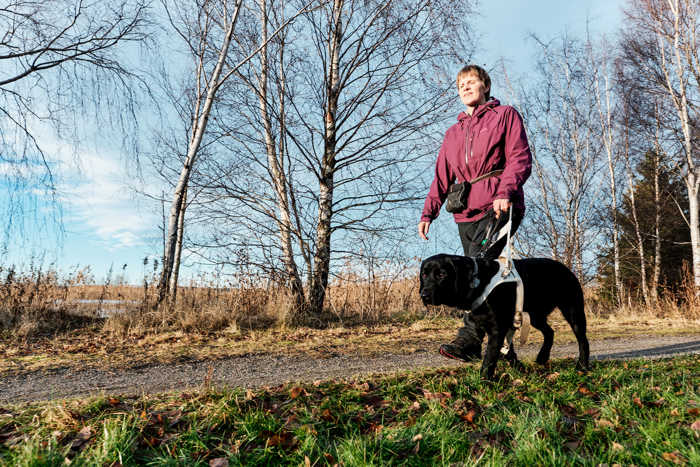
(548, 284)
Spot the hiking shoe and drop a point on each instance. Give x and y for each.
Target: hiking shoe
(461, 349)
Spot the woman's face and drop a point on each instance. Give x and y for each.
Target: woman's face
(472, 91)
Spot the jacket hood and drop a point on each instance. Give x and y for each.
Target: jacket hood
(482, 108)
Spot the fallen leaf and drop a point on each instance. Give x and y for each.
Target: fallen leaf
(114, 402)
(410, 422)
(218, 462)
(638, 402)
(415, 406)
(415, 450)
(658, 403)
(329, 458)
(669, 456)
(292, 423)
(327, 415)
(573, 445)
(84, 434)
(439, 396)
(375, 427)
(694, 411)
(307, 461)
(695, 426)
(362, 387)
(617, 447)
(418, 437)
(469, 417)
(299, 392)
(675, 413)
(373, 401)
(517, 382)
(553, 376)
(274, 440)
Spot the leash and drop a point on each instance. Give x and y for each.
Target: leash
(508, 274)
(492, 235)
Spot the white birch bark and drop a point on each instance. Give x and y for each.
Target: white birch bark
(276, 168)
(606, 123)
(638, 234)
(657, 231)
(325, 200)
(201, 118)
(178, 249)
(682, 69)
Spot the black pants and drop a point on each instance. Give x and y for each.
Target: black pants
(476, 231)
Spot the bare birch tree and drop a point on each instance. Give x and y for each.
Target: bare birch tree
(659, 45)
(564, 128)
(600, 56)
(200, 26)
(358, 89)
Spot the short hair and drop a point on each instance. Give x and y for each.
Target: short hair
(479, 72)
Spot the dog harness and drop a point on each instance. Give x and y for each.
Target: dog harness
(506, 274)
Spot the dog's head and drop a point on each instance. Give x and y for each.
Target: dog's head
(444, 279)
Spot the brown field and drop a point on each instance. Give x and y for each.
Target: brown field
(45, 322)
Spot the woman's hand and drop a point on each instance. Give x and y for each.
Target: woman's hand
(501, 205)
(423, 228)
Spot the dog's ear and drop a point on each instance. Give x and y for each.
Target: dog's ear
(461, 269)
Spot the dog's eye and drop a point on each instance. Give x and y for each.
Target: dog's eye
(424, 276)
(441, 275)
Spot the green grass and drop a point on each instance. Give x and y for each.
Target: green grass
(635, 413)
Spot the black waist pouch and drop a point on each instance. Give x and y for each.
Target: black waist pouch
(457, 197)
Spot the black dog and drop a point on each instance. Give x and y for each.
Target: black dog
(548, 284)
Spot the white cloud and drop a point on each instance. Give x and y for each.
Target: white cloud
(100, 206)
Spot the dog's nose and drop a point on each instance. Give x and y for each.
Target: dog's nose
(425, 295)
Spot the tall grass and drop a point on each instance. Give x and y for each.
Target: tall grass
(35, 302)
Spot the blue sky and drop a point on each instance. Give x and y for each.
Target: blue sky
(105, 226)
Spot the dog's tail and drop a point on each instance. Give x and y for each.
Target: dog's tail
(575, 314)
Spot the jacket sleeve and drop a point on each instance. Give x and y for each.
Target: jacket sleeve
(518, 157)
(438, 189)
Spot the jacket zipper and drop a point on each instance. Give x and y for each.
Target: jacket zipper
(466, 153)
(466, 143)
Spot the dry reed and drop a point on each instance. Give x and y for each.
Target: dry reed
(36, 302)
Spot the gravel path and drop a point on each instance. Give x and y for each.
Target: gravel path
(262, 370)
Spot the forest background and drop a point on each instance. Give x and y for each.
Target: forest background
(286, 149)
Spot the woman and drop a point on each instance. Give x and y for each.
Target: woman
(488, 143)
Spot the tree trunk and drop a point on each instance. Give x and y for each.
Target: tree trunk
(606, 124)
(640, 242)
(657, 231)
(195, 142)
(325, 202)
(681, 103)
(178, 250)
(276, 168)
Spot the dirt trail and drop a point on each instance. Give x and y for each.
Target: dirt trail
(259, 370)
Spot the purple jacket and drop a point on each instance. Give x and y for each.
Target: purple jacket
(497, 140)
